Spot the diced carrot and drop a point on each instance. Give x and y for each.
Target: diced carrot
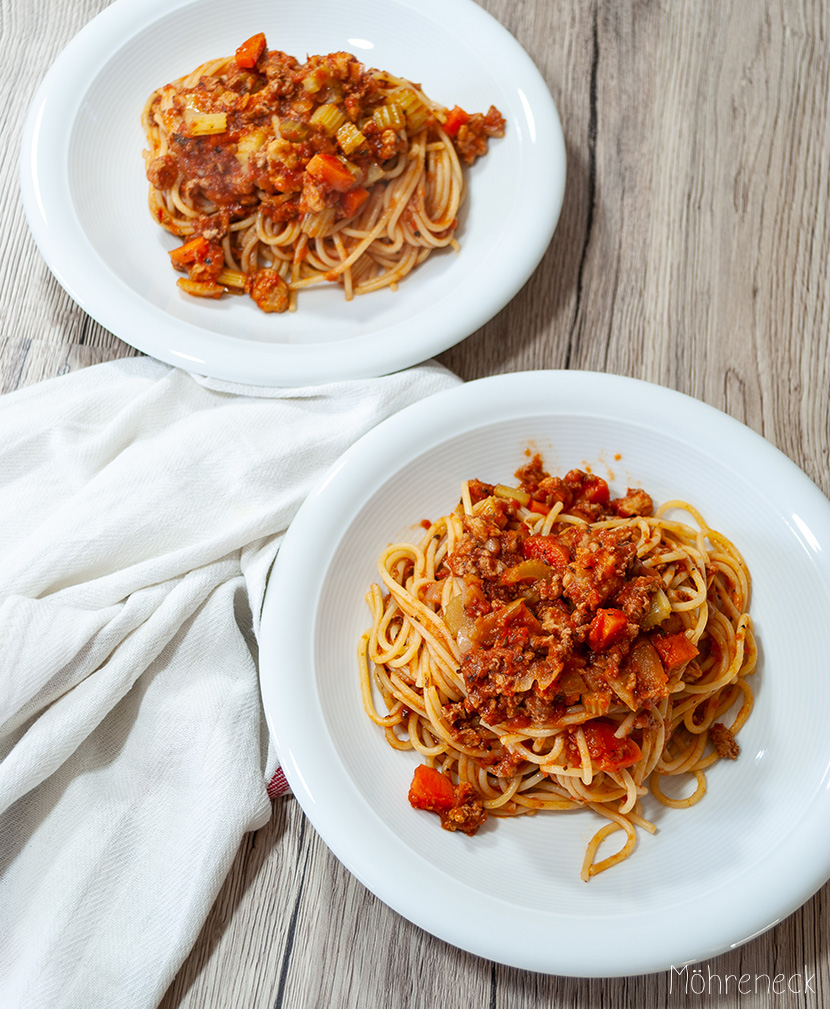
(353, 200)
(539, 507)
(456, 118)
(548, 549)
(431, 790)
(331, 171)
(675, 650)
(607, 628)
(191, 251)
(250, 51)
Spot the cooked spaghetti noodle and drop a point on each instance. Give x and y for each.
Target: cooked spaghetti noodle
(547, 648)
(280, 175)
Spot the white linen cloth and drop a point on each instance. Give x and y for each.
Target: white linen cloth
(140, 512)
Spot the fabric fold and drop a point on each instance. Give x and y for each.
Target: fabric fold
(142, 511)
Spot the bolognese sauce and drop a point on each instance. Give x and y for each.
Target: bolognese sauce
(550, 645)
(274, 172)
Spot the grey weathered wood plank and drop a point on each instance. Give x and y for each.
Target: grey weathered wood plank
(692, 251)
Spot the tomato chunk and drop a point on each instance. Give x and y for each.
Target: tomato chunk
(608, 752)
(606, 629)
(456, 118)
(675, 650)
(548, 549)
(431, 790)
(596, 490)
(250, 51)
(513, 622)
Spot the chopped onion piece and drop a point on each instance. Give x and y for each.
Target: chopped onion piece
(659, 610)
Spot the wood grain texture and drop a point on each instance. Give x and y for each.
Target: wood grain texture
(692, 251)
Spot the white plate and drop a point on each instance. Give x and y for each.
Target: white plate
(715, 875)
(85, 193)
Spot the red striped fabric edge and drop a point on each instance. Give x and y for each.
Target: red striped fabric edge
(278, 786)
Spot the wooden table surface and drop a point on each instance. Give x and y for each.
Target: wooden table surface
(692, 251)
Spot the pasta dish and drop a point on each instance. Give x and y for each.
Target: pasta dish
(549, 647)
(278, 175)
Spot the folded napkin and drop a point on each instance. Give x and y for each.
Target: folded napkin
(141, 509)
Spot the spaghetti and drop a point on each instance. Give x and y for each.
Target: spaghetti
(548, 648)
(279, 175)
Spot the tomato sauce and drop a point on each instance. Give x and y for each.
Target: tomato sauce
(559, 619)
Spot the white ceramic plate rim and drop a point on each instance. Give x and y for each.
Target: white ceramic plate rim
(634, 943)
(402, 340)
